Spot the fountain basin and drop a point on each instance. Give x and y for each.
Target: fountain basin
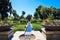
(27, 37)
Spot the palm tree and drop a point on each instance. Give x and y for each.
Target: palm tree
(15, 15)
(23, 13)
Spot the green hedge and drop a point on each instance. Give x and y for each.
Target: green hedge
(16, 23)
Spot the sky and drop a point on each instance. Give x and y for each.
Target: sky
(29, 6)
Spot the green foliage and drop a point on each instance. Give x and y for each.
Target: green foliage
(8, 20)
(22, 16)
(0, 21)
(16, 16)
(24, 22)
(42, 12)
(23, 12)
(36, 26)
(57, 21)
(29, 17)
(36, 21)
(33, 21)
(16, 22)
(36, 15)
(49, 17)
(6, 4)
(18, 28)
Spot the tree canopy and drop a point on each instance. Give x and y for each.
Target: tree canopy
(29, 17)
(5, 6)
(43, 12)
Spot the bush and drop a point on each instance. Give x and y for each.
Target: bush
(57, 21)
(36, 21)
(16, 23)
(23, 22)
(33, 21)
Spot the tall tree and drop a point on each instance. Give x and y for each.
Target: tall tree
(40, 11)
(36, 15)
(29, 17)
(43, 12)
(4, 8)
(16, 16)
(23, 13)
(57, 14)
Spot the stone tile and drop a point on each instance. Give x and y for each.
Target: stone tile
(37, 34)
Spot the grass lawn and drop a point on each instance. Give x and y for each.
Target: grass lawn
(19, 28)
(35, 26)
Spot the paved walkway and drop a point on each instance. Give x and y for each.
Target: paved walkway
(38, 35)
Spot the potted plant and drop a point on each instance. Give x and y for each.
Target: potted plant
(5, 24)
(51, 24)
